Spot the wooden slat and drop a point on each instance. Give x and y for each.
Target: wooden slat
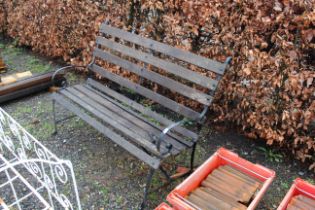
(306, 200)
(220, 185)
(223, 197)
(217, 202)
(155, 77)
(251, 188)
(245, 179)
(201, 203)
(109, 118)
(143, 110)
(166, 102)
(130, 121)
(160, 63)
(189, 57)
(125, 124)
(140, 154)
(240, 174)
(154, 129)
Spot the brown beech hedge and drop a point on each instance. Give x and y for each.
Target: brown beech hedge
(268, 91)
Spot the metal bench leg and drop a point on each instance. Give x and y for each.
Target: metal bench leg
(147, 188)
(169, 179)
(192, 158)
(54, 116)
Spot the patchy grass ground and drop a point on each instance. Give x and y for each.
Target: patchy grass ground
(108, 177)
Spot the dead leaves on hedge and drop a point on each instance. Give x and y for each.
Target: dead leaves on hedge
(269, 89)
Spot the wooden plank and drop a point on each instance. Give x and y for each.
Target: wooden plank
(6, 80)
(305, 201)
(130, 121)
(29, 82)
(143, 110)
(25, 92)
(166, 102)
(151, 127)
(212, 199)
(160, 63)
(200, 203)
(131, 124)
(297, 203)
(108, 118)
(293, 206)
(189, 57)
(158, 129)
(117, 139)
(240, 173)
(230, 180)
(214, 183)
(223, 197)
(242, 178)
(155, 77)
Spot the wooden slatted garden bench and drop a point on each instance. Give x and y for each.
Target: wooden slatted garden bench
(162, 70)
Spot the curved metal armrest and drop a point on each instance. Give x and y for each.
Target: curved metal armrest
(166, 130)
(53, 78)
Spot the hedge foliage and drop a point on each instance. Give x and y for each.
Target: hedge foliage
(268, 91)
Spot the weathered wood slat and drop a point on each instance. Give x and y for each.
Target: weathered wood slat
(155, 77)
(157, 129)
(119, 140)
(143, 110)
(166, 102)
(138, 133)
(201, 203)
(223, 197)
(160, 63)
(108, 118)
(130, 121)
(208, 198)
(144, 123)
(189, 57)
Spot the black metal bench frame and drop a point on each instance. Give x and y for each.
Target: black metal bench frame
(111, 112)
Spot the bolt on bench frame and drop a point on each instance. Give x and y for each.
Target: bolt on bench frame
(127, 122)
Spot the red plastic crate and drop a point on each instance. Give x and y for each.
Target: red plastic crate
(299, 187)
(220, 158)
(164, 206)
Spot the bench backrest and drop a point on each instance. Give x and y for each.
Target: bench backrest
(158, 63)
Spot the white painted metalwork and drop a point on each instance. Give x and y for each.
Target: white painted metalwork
(32, 177)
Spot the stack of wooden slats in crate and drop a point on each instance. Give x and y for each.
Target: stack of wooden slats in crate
(225, 188)
(300, 202)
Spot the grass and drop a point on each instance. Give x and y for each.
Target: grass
(16, 59)
(21, 110)
(36, 66)
(311, 181)
(105, 192)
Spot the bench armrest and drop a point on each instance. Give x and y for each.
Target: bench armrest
(166, 130)
(58, 71)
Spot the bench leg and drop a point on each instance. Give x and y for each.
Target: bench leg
(54, 117)
(147, 188)
(192, 158)
(167, 176)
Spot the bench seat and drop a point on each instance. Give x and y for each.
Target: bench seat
(132, 126)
